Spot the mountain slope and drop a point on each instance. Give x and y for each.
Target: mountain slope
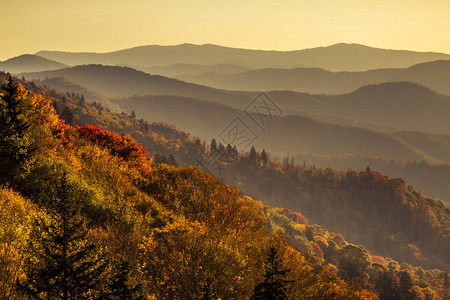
(207, 234)
(312, 80)
(29, 63)
(63, 85)
(339, 57)
(123, 81)
(284, 135)
(120, 196)
(388, 106)
(435, 75)
(192, 69)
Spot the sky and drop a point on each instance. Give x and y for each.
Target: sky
(28, 26)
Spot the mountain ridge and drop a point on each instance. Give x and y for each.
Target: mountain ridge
(333, 58)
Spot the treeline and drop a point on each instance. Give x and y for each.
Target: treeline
(431, 179)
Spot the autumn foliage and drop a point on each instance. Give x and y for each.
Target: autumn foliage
(122, 146)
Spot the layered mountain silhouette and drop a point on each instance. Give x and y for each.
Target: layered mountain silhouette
(283, 135)
(388, 106)
(339, 57)
(29, 63)
(435, 75)
(192, 69)
(123, 81)
(308, 80)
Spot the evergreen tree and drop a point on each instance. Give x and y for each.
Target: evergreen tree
(133, 114)
(62, 263)
(213, 147)
(120, 286)
(15, 148)
(68, 116)
(264, 157)
(172, 161)
(252, 158)
(274, 286)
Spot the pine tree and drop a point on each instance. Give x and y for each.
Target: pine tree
(264, 157)
(274, 286)
(67, 115)
(213, 147)
(62, 263)
(172, 161)
(120, 286)
(252, 156)
(15, 148)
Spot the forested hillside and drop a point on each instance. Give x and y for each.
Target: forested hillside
(93, 218)
(146, 210)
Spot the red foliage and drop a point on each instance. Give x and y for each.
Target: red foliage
(122, 146)
(59, 131)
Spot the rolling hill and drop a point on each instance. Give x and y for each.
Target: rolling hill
(388, 106)
(63, 85)
(307, 80)
(435, 75)
(339, 57)
(192, 69)
(123, 82)
(29, 63)
(284, 135)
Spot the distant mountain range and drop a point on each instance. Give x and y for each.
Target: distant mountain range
(388, 107)
(205, 112)
(307, 80)
(29, 63)
(191, 69)
(435, 75)
(284, 135)
(339, 57)
(124, 82)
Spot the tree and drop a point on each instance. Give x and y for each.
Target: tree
(252, 158)
(264, 157)
(68, 116)
(213, 147)
(133, 114)
(15, 148)
(62, 263)
(406, 286)
(120, 286)
(273, 286)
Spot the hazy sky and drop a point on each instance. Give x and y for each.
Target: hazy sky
(28, 26)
